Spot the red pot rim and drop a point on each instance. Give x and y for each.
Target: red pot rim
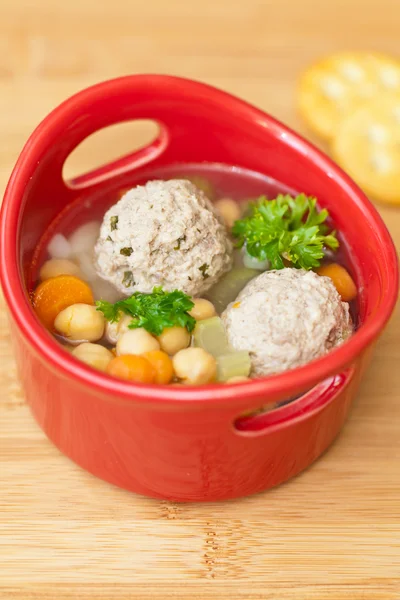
(280, 385)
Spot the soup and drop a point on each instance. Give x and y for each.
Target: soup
(154, 284)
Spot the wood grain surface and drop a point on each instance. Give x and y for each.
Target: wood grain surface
(333, 532)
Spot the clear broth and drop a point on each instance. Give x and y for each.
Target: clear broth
(225, 181)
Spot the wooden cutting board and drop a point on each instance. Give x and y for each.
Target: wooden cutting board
(331, 533)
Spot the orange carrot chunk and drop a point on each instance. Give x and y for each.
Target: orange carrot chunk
(342, 280)
(132, 367)
(162, 364)
(57, 293)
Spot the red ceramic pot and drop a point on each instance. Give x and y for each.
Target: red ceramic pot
(182, 443)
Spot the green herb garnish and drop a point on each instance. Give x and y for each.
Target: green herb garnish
(113, 223)
(154, 312)
(179, 241)
(126, 251)
(286, 228)
(203, 270)
(127, 280)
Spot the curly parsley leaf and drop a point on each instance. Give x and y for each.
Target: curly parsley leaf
(113, 223)
(286, 228)
(154, 312)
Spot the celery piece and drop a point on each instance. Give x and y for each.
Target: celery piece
(254, 263)
(234, 364)
(228, 287)
(210, 335)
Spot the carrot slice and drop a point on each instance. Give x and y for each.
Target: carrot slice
(54, 294)
(132, 367)
(162, 365)
(341, 279)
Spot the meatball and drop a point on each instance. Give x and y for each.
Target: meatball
(164, 233)
(285, 319)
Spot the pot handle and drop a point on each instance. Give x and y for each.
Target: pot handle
(179, 106)
(307, 405)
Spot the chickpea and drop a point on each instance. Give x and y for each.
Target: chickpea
(111, 332)
(229, 210)
(59, 266)
(195, 366)
(123, 324)
(94, 355)
(118, 328)
(238, 379)
(202, 309)
(132, 367)
(136, 341)
(80, 322)
(162, 365)
(174, 339)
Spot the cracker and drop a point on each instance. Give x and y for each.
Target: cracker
(367, 146)
(332, 88)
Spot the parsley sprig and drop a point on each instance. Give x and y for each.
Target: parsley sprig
(154, 312)
(286, 228)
